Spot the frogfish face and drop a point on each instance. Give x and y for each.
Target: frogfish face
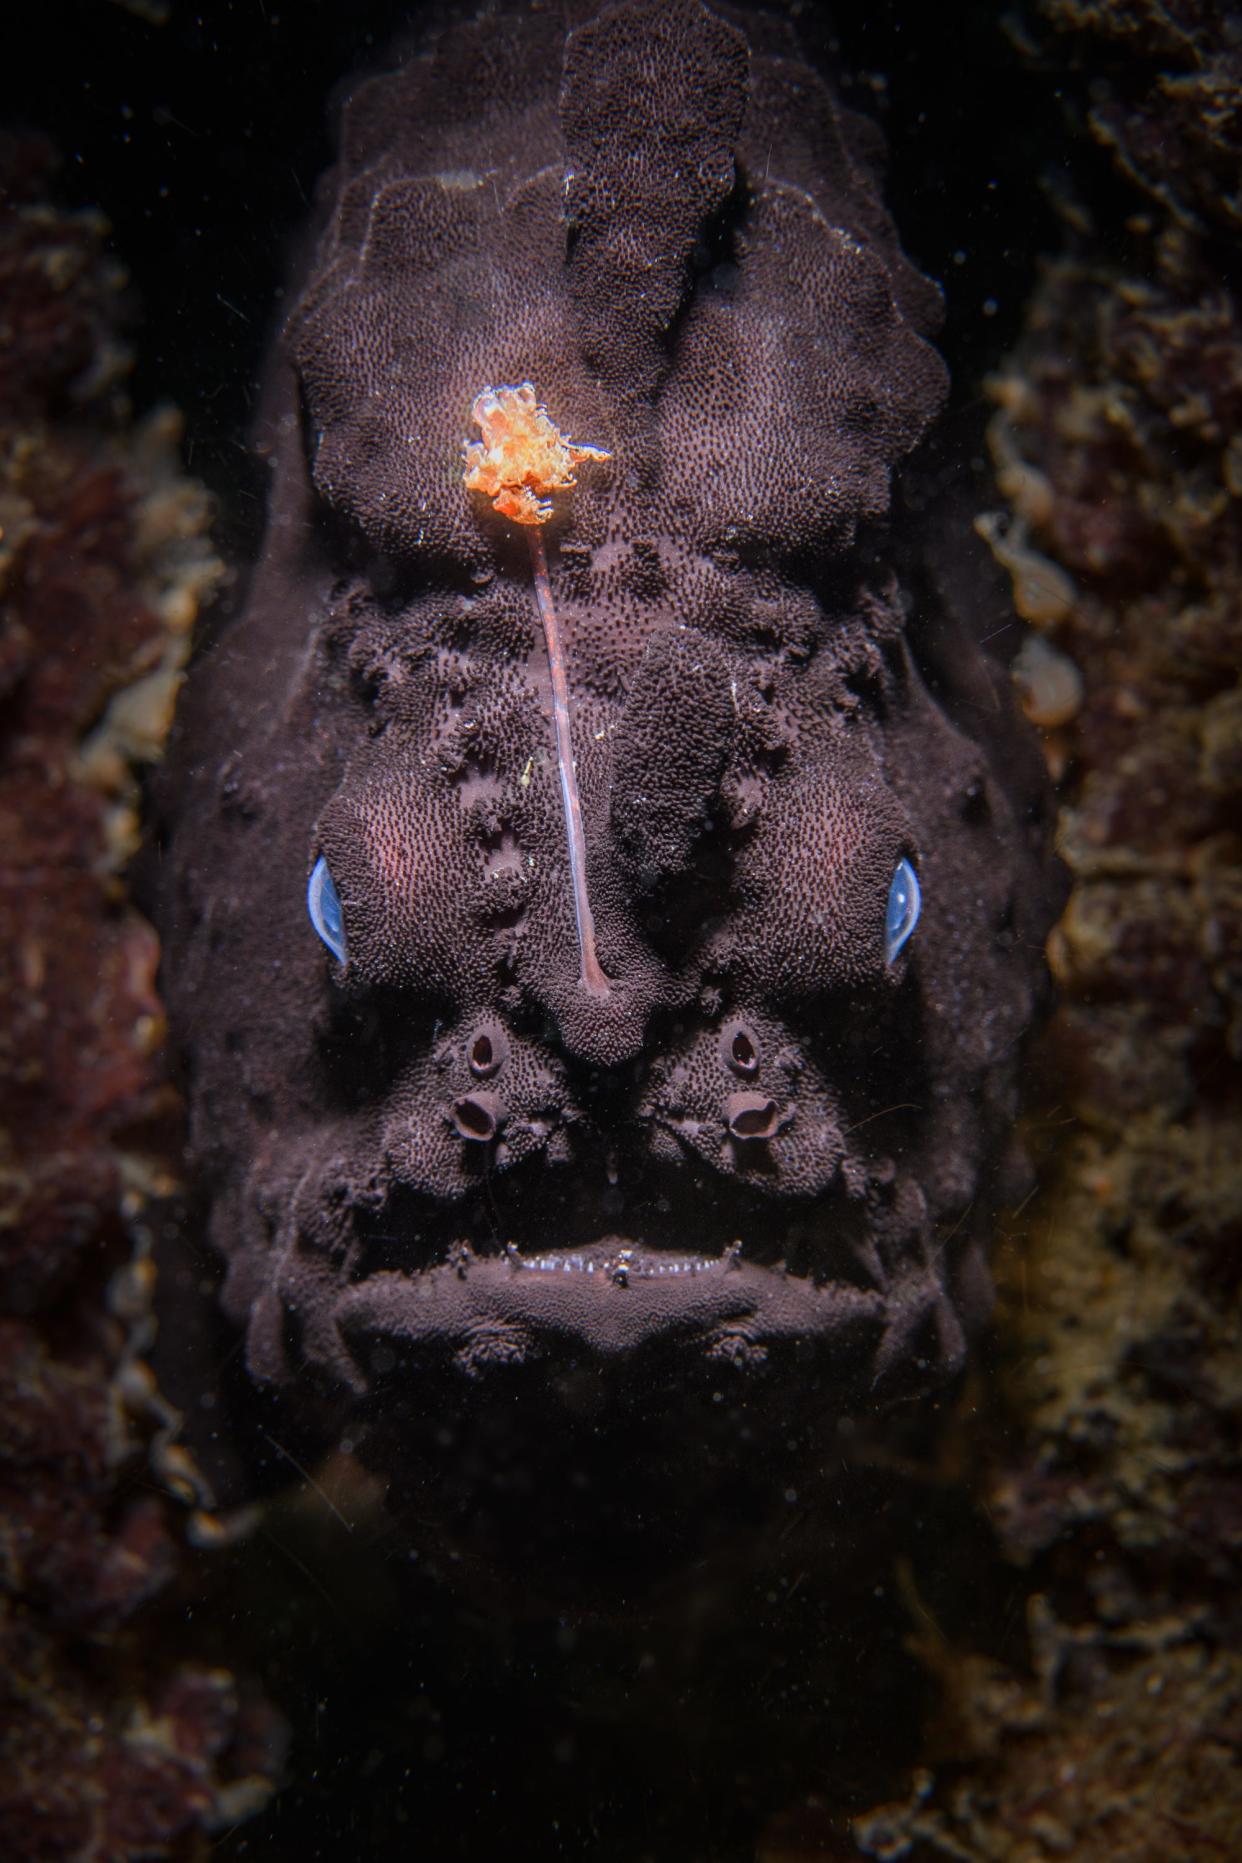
(811, 844)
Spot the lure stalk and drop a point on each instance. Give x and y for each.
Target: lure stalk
(593, 977)
(522, 458)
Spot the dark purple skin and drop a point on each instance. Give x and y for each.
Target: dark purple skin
(766, 1146)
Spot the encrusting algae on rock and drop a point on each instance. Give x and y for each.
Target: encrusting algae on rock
(1109, 1438)
(105, 560)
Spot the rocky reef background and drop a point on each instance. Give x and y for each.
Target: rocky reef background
(1026, 1645)
(1106, 1447)
(117, 1739)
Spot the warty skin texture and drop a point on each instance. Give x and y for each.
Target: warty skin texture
(764, 1147)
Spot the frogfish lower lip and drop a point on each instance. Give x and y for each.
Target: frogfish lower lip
(612, 1294)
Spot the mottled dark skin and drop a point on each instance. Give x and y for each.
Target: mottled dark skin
(765, 1146)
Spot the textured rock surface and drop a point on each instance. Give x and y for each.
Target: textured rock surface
(116, 1740)
(1111, 1437)
(763, 1138)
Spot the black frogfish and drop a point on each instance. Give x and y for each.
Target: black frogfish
(606, 881)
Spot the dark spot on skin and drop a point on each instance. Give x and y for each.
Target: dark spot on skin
(477, 1116)
(975, 800)
(487, 1050)
(751, 1116)
(740, 1050)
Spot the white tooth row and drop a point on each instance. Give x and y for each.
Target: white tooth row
(612, 1266)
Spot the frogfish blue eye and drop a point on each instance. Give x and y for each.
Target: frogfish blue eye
(323, 903)
(902, 913)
